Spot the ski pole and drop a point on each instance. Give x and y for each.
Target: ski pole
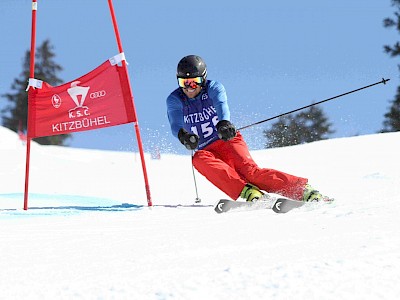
(197, 200)
(341, 95)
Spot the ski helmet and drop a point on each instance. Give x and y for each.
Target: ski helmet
(192, 66)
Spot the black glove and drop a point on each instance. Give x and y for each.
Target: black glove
(189, 140)
(226, 130)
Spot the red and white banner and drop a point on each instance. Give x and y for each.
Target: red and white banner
(101, 98)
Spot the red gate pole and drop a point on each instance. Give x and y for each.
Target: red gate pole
(31, 75)
(139, 139)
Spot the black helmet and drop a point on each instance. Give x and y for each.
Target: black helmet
(192, 66)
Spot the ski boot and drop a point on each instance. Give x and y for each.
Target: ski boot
(251, 193)
(312, 195)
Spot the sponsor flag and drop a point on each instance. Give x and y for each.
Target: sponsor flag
(101, 98)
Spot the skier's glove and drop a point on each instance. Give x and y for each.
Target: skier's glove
(189, 140)
(226, 130)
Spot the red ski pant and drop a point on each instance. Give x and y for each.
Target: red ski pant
(229, 166)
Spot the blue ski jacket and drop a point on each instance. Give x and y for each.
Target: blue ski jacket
(201, 114)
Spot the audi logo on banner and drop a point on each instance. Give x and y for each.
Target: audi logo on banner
(97, 94)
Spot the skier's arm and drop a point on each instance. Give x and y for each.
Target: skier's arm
(175, 114)
(226, 130)
(220, 100)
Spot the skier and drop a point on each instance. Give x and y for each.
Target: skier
(199, 116)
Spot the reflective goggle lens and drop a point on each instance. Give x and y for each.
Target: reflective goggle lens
(190, 82)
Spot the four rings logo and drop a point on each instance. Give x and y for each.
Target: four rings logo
(97, 94)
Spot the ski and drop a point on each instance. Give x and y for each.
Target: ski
(284, 205)
(225, 205)
(279, 205)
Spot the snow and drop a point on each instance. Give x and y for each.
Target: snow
(88, 233)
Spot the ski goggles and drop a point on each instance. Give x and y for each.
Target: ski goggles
(190, 82)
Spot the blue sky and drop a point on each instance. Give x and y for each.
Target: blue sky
(272, 57)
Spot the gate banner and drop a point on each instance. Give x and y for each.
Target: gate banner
(101, 98)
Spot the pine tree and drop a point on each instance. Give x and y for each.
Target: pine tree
(392, 117)
(14, 115)
(305, 127)
(316, 125)
(282, 133)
